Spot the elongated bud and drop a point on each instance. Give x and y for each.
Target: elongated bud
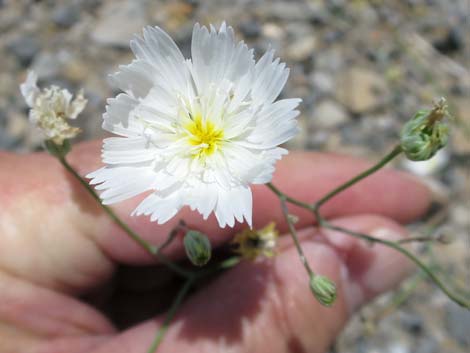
(198, 248)
(323, 289)
(426, 133)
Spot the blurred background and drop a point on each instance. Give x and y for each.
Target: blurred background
(362, 69)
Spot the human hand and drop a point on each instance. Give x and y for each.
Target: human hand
(56, 245)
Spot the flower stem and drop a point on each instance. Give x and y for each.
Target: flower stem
(293, 233)
(171, 313)
(151, 249)
(394, 245)
(289, 199)
(395, 152)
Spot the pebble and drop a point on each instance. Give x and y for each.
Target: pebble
(328, 114)
(322, 83)
(250, 29)
(302, 48)
(24, 48)
(451, 43)
(66, 16)
(361, 90)
(458, 323)
(118, 22)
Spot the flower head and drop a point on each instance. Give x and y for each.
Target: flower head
(426, 133)
(50, 109)
(196, 132)
(254, 243)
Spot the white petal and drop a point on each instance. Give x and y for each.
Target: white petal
(136, 79)
(29, 88)
(121, 183)
(236, 202)
(159, 50)
(117, 119)
(270, 78)
(217, 58)
(160, 209)
(123, 150)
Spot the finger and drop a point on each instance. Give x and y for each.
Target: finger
(65, 215)
(268, 306)
(306, 176)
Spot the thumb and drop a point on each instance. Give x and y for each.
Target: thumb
(268, 306)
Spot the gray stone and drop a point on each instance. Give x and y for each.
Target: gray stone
(302, 48)
(250, 28)
(458, 323)
(329, 114)
(118, 22)
(288, 11)
(66, 16)
(323, 84)
(24, 48)
(427, 345)
(361, 90)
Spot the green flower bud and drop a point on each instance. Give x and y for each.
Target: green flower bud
(198, 248)
(426, 133)
(323, 289)
(57, 150)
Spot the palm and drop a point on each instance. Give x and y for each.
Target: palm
(57, 246)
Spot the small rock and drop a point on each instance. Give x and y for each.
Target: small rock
(361, 90)
(451, 43)
(458, 323)
(302, 48)
(250, 29)
(287, 11)
(7, 142)
(24, 48)
(66, 16)
(322, 83)
(411, 322)
(460, 136)
(118, 22)
(427, 345)
(272, 31)
(47, 65)
(329, 114)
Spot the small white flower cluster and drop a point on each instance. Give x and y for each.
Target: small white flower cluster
(50, 109)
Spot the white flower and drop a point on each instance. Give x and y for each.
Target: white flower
(195, 132)
(50, 108)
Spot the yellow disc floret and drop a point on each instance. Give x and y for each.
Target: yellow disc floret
(204, 135)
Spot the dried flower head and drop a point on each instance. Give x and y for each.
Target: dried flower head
(251, 244)
(50, 109)
(196, 132)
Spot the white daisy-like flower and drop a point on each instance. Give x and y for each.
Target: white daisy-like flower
(196, 132)
(50, 109)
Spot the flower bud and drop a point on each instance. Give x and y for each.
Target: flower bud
(426, 133)
(57, 150)
(323, 289)
(198, 248)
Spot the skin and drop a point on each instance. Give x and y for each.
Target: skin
(56, 246)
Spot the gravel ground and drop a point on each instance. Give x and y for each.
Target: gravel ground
(361, 67)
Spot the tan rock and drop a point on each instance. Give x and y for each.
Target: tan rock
(361, 90)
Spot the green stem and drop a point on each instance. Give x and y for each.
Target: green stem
(395, 152)
(293, 233)
(171, 313)
(152, 250)
(289, 199)
(394, 245)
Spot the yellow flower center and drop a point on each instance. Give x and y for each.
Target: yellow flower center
(204, 136)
